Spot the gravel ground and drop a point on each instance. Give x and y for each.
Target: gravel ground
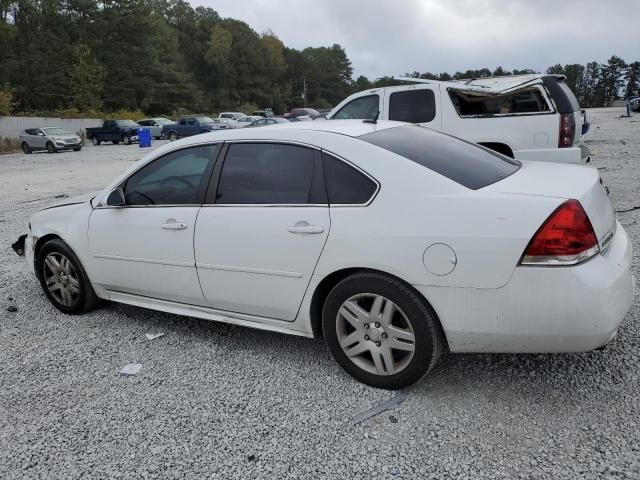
(216, 401)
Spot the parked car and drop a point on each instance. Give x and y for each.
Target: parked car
(301, 112)
(155, 125)
(235, 116)
(263, 122)
(51, 139)
(526, 117)
(190, 125)
(245, 121)
(266, 113)
(444, 245)
(323, 112)
(634, 104)
(116, 131)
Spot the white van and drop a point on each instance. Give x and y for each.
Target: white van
(527, 117)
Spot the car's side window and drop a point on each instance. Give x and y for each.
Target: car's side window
(192, 121)
(143, 123)
(413, 106)
(271, 173)
(174, 179)
(345, 184)
(109, 124)
(183, 121)
(361, 107)
(31, 131)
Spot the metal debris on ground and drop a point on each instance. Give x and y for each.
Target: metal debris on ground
(378, 409)
(153, 336)
(131, 369)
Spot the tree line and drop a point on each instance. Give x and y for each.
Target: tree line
(165, 57)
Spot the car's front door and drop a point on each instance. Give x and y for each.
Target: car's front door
(262, 229)
(39, 139)
(145, 247)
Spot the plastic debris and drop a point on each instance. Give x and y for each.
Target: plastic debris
(131, 369)
(378, 409)
(153, 336)
(12, 308)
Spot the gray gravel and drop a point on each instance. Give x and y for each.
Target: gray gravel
(215, 401)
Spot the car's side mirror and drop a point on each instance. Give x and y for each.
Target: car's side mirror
(116, 198)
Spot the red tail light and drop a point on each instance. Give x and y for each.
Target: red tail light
(567, 130)
(566, 238)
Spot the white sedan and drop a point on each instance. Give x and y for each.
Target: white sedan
(394, 242)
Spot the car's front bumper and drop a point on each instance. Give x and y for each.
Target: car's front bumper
(541, 309)
(68, 146)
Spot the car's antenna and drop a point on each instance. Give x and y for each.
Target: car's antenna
(373, 120)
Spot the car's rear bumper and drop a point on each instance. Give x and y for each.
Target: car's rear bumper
(558, 155)
(541, 309)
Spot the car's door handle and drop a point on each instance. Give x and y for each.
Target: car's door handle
(304, 227)
(173, 225)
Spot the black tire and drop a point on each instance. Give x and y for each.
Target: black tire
(95, 141)
(26, 148)
(161, 137)
(116, 142)
(126, 139)
(173, 136)
(86, 298)
(51, 148)
(77, 149)
(429, 342)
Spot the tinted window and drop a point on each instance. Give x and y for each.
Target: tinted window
(345, 184)
(361, 107)
(143, 123)
(255, 173)
(31, 131)
(173, 179)
(523, 101)
(463, 162)
(413, 106)
(109, 124)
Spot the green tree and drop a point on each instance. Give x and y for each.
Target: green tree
(632, 77)
(6, 101)
(86, 79)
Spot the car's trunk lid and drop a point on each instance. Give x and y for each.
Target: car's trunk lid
(564, 182)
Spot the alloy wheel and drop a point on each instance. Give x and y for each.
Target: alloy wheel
(61, 278)
(375, 334)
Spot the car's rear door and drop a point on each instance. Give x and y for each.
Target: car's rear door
(414, 104)
(262, 229)
(146, 246)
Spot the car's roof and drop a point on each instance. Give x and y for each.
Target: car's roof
(351, 128)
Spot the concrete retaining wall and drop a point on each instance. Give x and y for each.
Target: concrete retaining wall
(13, 126)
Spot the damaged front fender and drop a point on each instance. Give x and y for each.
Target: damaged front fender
(18, 245)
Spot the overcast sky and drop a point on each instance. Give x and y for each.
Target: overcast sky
(391, 37)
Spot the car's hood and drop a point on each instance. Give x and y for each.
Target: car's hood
(71, 201)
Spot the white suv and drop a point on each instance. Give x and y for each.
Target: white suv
(526, 117)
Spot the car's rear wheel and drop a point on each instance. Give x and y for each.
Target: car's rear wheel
(95, 141)
(126, 139)
(381, 331)
(26, 148)
(173, 136)
(51, 148)
(116, 142)
(161, 136)
(64, 281)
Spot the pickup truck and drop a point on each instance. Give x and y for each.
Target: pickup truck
(527, 117)
(189, 125)
(116, 131)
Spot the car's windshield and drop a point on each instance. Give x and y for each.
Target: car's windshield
(465, 163)
(204, 119)
(56, 131)
(127, 123)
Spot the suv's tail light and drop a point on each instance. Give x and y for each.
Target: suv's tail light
(567, 130)
(565, 238)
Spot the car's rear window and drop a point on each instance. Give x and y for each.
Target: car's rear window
(465, 163)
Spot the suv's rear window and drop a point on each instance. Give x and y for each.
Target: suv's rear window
(465, 163)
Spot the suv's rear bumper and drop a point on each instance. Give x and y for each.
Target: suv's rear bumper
(577, 155)
(541, 309)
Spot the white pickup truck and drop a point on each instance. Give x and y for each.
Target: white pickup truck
(527, 117)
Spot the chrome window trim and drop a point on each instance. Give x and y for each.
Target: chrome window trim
(269, 205)
(172, 205)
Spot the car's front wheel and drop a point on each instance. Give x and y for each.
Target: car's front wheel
(51, 148)
(64, 281)
(173, 136)
(381, 331)
(126, 139)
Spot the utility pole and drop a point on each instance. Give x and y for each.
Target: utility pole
(304, 91)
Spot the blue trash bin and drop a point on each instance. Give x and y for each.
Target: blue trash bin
(144, 136)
